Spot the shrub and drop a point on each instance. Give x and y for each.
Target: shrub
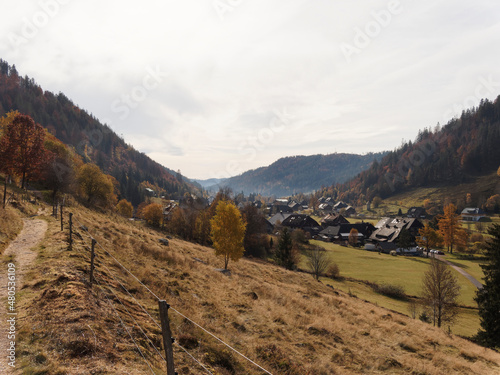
(392, 291)
(333, 271)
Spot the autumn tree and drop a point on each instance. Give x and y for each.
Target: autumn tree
(285, 255)
(376, 202)
(428, 238)
(318, 261)
(95, 186)
(59, 171)
(493, 203)
(125, 208)
(353, 237)
(153, 214)
(488, 298)
(255, 242)
(228, 232)
(202, 227)
(22, 150)
(440, 291)
(449, 226)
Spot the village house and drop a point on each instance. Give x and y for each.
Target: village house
(350, 211)
(417, 213)
(340, 233)
(278, 218)
(473, 214)
(388, 229)
(301, 221)
(333, 219)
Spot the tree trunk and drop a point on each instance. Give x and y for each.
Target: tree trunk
(5, 191)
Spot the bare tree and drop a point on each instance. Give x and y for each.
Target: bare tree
(318, 261)
(440, 291)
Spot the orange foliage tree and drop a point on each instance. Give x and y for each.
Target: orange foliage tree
(95, 186)
(227, 232)
(22, 150)
(153, 214)
(125, 208)
(449, 227)
(428, 238)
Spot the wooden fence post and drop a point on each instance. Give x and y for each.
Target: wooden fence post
(92, 256)
(167, 337)
(61, 217)
(70, 229)
(5, 192)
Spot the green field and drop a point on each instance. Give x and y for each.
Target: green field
(407, 272)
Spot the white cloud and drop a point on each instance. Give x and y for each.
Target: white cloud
(224, 79)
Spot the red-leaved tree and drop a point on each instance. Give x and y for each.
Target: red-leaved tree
(22, 149)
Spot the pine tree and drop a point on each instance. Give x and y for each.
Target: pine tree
(285, 255)
(488, 298)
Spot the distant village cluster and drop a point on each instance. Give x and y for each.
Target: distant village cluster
(341, 224)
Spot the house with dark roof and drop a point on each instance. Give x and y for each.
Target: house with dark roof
(340, 233)
(472, 214)
(339, 205)
(388, 229)
(294, 206)
(325, 207)
(350, 211)
(279, 217)
(281, 207)
(301, 221)
(417, 213)
(332, 220)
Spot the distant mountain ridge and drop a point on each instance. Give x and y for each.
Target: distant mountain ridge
(459, 152)
(304, 174)
(92, 140)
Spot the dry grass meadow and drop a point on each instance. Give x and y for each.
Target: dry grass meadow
(285, 321)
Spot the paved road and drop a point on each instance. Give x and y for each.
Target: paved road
(476, 283)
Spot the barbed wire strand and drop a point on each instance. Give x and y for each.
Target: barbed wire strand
(125, 268)
(185, 317)
(192, 357)
(135, 321)
(126, 329)
(222, 342)
(128, 292)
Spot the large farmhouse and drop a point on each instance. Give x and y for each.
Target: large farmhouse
(388, 229)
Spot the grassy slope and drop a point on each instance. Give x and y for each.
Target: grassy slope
(285, 320)
(404, 271)
(483, 186)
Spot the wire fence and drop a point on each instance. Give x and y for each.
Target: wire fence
(108, 290)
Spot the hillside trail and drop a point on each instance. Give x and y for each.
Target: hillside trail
(22, 253)
(460, 270)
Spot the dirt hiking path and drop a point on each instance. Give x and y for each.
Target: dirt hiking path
(23, 255)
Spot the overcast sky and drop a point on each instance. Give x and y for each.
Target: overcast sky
(214, 88)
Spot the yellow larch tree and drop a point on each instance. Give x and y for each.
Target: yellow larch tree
(228, 232)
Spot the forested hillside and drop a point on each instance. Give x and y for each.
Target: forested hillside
(301, 173)
(460, 151)
(92, 140)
